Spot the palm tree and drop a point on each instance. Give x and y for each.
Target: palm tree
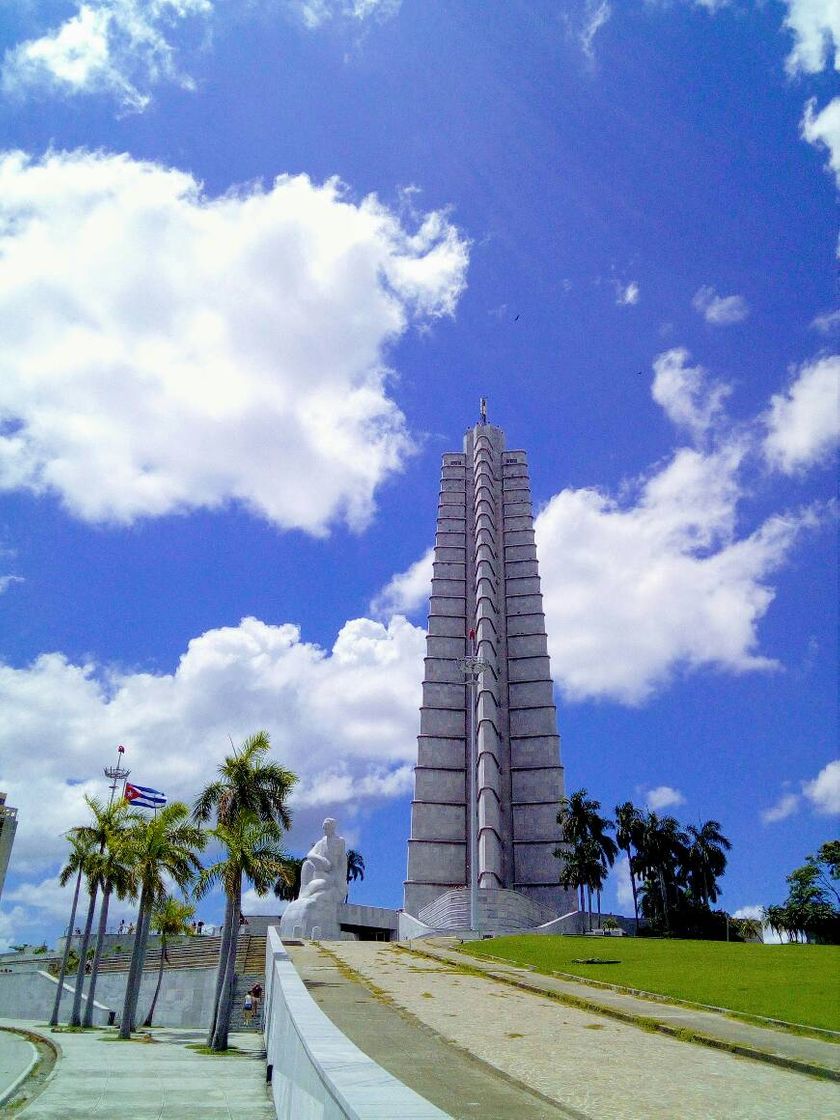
(705, 860)
(628, 828)
(287, 886)
(248, 786)
(591, 850)
(169, 918)
(76, 861)
(162, 846)
(661, 861)
(253, 853)
(355, 868)
(96, 836)
(114, 873)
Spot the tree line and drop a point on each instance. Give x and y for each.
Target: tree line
(124, 853)
(674, 871)
(811, 911)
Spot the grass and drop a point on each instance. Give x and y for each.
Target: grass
(231, 1052)
(795, 983)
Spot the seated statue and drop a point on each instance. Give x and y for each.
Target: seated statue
(323, 885)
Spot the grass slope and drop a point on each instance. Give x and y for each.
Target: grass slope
(798, 983)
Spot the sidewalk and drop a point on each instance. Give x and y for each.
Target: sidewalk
(808, 1055)
(161, 1080)
(17, 1057)
(592, 1067)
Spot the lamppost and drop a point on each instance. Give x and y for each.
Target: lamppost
(472, 667)
(117, 774)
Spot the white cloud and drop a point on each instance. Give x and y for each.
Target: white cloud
(407, 591)
(720, 311)
(815, 25)
(316, 13)
(121, 48)
(164, 350)
(596, 15)
(686, 394)
(634, 591)
(627, 295)
(824, 128)
(756, 913)
(7, 581)
(827, 323)
(803, 423)
(662, 797)
(344, 720)
(785, 807)
(824, 791)
(623, 886)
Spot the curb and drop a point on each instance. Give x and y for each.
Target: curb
(7, 1093)
(681, 1034)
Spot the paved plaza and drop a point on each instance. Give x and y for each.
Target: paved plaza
(160, 1080)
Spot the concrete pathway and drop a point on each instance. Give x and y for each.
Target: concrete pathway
(17, 1057)
(590, 1065)
(161, 1080)
(784, 1047)
(450, 1078)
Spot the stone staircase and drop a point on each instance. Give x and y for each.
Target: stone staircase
(250, 970)
(199, 952)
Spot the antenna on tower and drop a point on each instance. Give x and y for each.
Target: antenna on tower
(483, 410)
(117, 773)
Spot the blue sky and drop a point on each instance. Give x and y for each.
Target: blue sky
(259, 263)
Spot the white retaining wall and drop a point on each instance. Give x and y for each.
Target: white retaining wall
(317, 1072)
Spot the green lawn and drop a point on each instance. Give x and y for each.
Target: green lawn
(797, 983)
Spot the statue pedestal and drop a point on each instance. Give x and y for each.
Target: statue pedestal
(316, 917)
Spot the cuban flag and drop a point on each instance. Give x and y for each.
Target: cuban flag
(143, 797)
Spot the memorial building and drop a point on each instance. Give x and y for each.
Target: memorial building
(487, 696)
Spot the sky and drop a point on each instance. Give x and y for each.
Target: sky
(259, 263)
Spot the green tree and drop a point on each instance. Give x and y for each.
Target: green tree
(104, 822)
(287, 886)
(355, 868)
(586, 847)
(249, 788)
(628, 831)
(160, 847)
(705, 860)
(76, 861)
(253, 853)
(170, 917)
(112, 868)
(661, 861)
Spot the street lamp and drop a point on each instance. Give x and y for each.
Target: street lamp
(473, 667)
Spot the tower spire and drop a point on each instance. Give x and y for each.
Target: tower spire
(483, 410)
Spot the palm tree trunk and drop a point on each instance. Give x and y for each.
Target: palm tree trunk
(599, 909)
(220, 971)
(100, 941)
(220, 1037)
(147, 1022)
(589, 903)
(76, 1013)
(635, 895)
(143, 931)
(67, 946)
(135, 969)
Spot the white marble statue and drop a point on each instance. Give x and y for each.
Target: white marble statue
(323, 885)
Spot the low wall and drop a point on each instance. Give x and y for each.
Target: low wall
(316, 1071)
(185, 1000)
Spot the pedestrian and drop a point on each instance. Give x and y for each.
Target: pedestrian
(256, 996)
(200, 928)
(248, 1009)
(121, 928)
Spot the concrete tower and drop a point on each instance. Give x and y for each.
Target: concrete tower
(8, 827)
(486, 599)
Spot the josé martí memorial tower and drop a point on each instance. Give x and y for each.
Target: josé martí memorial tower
(488, 779)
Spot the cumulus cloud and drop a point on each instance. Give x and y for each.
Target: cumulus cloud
(663, 797)
(345, 720)
(827, 323)
(823, 128)
(785, 807)
(824, 791)
(803, 423)
(720, 311)
(7, 581)
(165, 350)
(121, 48)
(815, 26)
(623, 885)
(627, 295)
(408, 591)
(686, 394)
(822, 794)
